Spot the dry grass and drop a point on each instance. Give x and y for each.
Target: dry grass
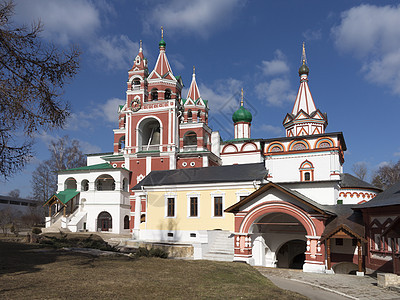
(27, 272)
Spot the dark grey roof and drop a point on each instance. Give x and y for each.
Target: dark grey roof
(294, 194)
(232, 173)
(387, 198)
(349, 181)
(345, 217)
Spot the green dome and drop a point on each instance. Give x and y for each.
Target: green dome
(303, 69)
(162, 43)
(242, 115)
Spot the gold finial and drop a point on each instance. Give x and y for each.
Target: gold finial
(241, 98)
(140, 45)
(162, 33)
(194, 69)
(303, 55)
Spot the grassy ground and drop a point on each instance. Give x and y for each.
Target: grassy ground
(29, 272)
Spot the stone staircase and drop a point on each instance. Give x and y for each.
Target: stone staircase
(55, 227)
(221, 247)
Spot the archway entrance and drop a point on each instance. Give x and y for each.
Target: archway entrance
(104, 221)
(279, 240)
(291, 254)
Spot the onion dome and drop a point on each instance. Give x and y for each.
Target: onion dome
(242, 115)
(303, 69)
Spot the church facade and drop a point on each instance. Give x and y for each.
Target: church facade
(170, 178)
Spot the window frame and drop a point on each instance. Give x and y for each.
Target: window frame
(189, 207)
(167, 197)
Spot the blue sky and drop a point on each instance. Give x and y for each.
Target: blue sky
(353, 52)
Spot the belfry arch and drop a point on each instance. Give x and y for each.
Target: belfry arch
(149, 134)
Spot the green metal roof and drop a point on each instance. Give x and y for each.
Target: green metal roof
(92, 167)
(64, 196)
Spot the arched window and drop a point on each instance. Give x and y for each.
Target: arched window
(105, 182)
(154, 94)
(149, 135)
(190, 139)
(121, 143)
(104, 221)
(306, 171)
(136, 84)
(126, 222)
(85, 185)
(167, 94)
(199, 116)
(189, 116)
(70, 183)
(125, 185)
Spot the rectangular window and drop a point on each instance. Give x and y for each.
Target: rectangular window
(193, 207)
(171, 207)
(217, 206)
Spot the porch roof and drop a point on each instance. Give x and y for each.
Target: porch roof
(63, 196)
(323, 209)
(347, 221)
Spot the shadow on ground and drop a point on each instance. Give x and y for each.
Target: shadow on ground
(20, 257)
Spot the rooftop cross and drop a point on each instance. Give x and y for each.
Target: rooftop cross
(241, 99)
(303, 55)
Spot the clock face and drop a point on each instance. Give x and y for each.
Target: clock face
(135, 104)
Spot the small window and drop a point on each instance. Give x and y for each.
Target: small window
(192, 235)
(126, 222)
(193, 207)
(189, 115)
(143, 218)
(217, 206)
(167, 94)
(339, 242)
(154, 94)
(307, 176)
(170, 234)
(171, 207)
(340, 201)
(85, 185)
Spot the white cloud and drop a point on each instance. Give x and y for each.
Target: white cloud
(276, 66)
(115, 51)
(274, 130)
(372, 34)
(311, 35)
(202, 17)
(110, 109)
(275, 92)
(80, 21)
(64, 21)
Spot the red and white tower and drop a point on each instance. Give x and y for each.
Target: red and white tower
(305, 118)
(195, 135)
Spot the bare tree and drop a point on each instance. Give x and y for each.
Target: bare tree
(387, 175)
(14, 193)
(64, 154)
(360, 170)
(32, 79)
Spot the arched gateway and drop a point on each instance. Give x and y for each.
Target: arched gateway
(277, 227)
